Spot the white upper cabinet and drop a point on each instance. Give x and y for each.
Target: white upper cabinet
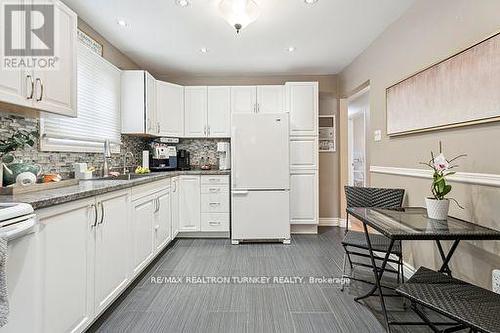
(302, 103)
(195, 112)
(270, 99)
(219, 112)
(257, 99)
(243, 99)
(138, 103)
(49, 90)
(152, 124)
(207, 112)
(55, 90)
(170, 109)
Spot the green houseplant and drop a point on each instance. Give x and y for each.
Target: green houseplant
(19, 140)
(438, 205)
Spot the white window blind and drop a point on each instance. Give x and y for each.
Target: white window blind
(98, 105)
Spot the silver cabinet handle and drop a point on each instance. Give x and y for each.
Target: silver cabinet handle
(214, 190)
(95, 215)
(32, 84)
(258, 107)
(208, 130)
(205, 130)
(39, 99)
(214, 203)
(214, 180)
(158, 128)
(102, 212)
(214, 223)
(157, 204)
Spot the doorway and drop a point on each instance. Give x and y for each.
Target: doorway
(358, 109)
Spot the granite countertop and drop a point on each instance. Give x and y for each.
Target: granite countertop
(90, 188)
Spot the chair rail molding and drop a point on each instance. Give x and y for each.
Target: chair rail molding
(484, 179)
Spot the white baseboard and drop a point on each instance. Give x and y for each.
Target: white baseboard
(328, 221)
(342, 223)
(304, 229)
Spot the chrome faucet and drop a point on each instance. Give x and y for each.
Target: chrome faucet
(107, 157)
(125, 170)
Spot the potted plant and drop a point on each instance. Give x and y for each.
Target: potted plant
(18, 140)
(438, 205)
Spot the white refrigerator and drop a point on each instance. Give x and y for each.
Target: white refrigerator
(260, 177)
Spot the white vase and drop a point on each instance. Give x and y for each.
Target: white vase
(437, 209)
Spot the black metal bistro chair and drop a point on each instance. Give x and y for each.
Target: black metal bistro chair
(354, 242)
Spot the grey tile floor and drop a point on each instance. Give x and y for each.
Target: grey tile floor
(184, 307)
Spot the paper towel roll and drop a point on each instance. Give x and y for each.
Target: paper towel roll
(25, 179)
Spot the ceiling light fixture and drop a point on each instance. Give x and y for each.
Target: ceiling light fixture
(291, 49)
(204, 50)
(310, 2)
(182, 3)
(122, 23)
(239, 13)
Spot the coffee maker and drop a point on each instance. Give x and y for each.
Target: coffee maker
(224, 152)
(183, 160)
(162, 157)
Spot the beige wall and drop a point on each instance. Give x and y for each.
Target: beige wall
(328, 162)
(428, 32)
(110, 53)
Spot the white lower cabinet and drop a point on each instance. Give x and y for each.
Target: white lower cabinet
(111, 243)
(304, 197)
(163, 220)
(67, 252)
(93, 248)
(189, 203)
(143, 216)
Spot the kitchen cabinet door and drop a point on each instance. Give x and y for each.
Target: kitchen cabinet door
(189, 203)
(16, 86)
(270, 99)
(243, 99)
(304, 197)
(67, 250)
(152, 124)
(163, 220)
(112, 247)
(195, 112)
(175, 206)
(219, 112)
(302, 103)
(143, 212)
(56, 90)
(170, 109)
(304, 152)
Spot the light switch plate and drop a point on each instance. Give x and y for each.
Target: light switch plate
(377, 135)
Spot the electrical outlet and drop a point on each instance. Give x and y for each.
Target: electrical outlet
(377, 135)
(495, 280)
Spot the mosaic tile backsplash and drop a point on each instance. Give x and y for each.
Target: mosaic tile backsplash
(62, 162)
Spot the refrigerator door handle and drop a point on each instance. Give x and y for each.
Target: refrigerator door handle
(239, 192)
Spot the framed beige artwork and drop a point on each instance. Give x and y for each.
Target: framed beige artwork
(463, 89)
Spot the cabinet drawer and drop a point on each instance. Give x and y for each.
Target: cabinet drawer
(214, 180)
(214, 189)
(215, 202)
(215, 222)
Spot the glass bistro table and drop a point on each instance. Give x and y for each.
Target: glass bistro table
(413, 224)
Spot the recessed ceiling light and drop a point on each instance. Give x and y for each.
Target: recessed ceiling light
(291, 49)
(310, 2)
(122, 23)
(182, 3)
(204, 50)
